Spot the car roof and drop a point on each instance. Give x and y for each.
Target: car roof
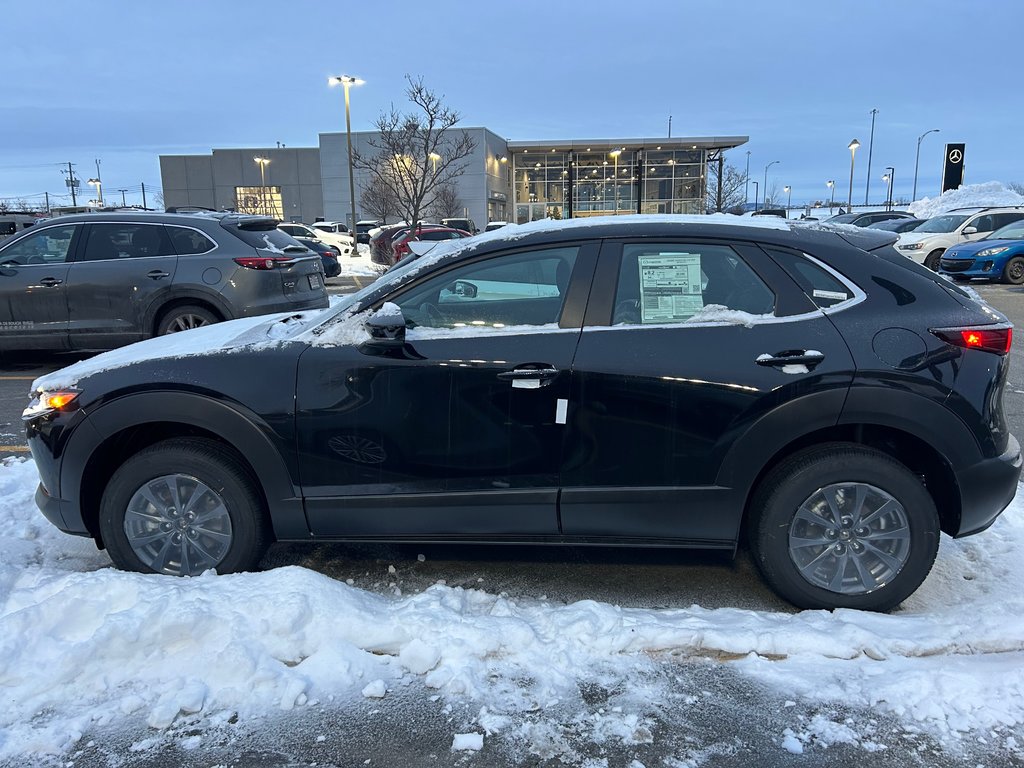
(225, 217)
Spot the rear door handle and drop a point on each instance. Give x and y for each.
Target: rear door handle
(157, 274)
(529, 378)
(808, 357)
(49, 282)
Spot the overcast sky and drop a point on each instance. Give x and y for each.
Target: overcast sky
(127, 81)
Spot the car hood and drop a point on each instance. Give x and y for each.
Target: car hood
(970, 249)
(918, 237)
(212, 339)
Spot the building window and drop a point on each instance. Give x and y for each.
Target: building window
(259, 200)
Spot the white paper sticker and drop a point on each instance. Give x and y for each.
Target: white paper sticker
(830, 295)
(561, 410)
(670, 287)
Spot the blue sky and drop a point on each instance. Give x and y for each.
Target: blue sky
(126, 82)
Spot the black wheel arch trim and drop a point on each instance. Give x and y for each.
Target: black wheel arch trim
(174, 294)
(252, 442)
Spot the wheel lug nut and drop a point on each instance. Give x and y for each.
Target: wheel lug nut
(839, 549)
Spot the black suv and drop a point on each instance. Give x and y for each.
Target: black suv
(98, 281)
(622, 382)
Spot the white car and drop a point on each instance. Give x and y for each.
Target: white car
(928, 242)
(342, 242)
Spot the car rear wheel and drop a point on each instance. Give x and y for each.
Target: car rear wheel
(1013, 272)
(182, 507)
(932, 259)
(184, 319)
(843, 526)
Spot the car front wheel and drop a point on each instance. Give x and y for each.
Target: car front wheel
(182, 507)
(843, 526)
(1013, 272)
(932, 259)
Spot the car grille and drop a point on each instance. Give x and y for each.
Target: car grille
(956, 265)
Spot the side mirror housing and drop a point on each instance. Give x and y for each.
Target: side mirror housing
(387, 326)
(968, 231)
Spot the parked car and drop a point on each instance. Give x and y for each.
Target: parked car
(899, 226)
(867, 218)
(363, 228)
(1000, 256)
(335, 233)
(493, 225)
(329, 255)
(928, 242)
(466, 225)
(400, 245)
(778, 212)
(381, 251)
(342, 242)
(102, 280)
(626, 382)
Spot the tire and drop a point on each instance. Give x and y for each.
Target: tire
(184, 318)
(1013, 271)
(932, 259)
(145, 530)
(795, 537)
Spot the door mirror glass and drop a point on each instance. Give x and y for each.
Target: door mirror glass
(462, 289)
(969, 231)
(386, 326)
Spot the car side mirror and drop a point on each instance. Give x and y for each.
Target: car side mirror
(387, 326)
(463, 289)
(968, 231)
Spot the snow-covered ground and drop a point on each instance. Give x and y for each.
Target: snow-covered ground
(359, 266)
(84, 647)
(967, 196)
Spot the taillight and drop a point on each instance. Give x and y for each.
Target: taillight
(989, 339)
(264, 262)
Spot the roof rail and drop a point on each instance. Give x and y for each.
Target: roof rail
(981, 208)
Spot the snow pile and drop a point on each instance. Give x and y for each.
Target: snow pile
(968, 196)
(82, 645)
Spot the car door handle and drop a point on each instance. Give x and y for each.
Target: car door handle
(49, 282)
(529, 378)
(157, 274)
(808, 357)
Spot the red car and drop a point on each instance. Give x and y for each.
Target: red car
(400, 245)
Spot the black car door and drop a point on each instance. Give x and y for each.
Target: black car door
(458, 432)
(120, 270)
(33, 283)
(686, 345)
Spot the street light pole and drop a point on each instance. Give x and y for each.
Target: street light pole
(890, 177)
(348, 81)
(755, 194)
(746, 182)
(789, 198)
(831, 184)
(262, 162)
(871, 146)
(853, 152)
(773, 162)
(615, 156)
(917, 157)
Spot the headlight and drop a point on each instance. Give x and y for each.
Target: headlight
(48, 402)
(912, 247)
(994, 251)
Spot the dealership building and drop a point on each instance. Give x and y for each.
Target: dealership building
(503, 180)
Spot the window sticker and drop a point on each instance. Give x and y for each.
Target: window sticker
(670, 287)
(837, 295)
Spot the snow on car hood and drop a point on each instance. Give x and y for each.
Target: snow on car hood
(233, 334)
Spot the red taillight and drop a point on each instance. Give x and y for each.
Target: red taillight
(264, 262)
(996, 340)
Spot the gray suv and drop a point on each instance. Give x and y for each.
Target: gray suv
(99, 281)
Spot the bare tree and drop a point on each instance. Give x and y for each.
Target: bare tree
(772, 196)
(446, 202)
(379, 201)
(418, 152)
(1017, 187)
(733, 184)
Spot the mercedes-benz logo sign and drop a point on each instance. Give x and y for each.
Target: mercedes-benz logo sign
(956, 156)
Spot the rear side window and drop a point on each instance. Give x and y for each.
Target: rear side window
(107, 242)
(821, 287)
(189, 241)
(1002, 219)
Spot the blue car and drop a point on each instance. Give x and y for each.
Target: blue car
(1000, 256)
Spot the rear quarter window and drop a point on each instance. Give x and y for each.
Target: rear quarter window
(820, 286)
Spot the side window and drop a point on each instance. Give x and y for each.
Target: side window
(821, 287)
(982, 223)
(46, 246)
(1002, 219)
(676, 283)
(520, 289)
(126, 241)
(188, 241)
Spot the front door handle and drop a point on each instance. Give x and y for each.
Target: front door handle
(157, 274)
(49, 282)
(807, 357)
(529, 378)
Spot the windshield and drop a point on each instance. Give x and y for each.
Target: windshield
(1013, 231)
(843, 218)
(946, 223)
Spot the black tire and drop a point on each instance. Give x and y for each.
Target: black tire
(932, 259)
(1013, 271)
(184, 318)
(796, 481)
(195, 458)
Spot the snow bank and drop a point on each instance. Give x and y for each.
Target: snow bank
(967, 196)
(88, 645)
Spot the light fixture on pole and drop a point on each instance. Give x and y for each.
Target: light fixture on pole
(262, 161)
(99, 191)
(755, 194)
(890, 176)
(773, 162)
(348, 81)
(615, 156)
(831, 184)
(853, 152)
(917, 158)
(789, 198)
(434, 157)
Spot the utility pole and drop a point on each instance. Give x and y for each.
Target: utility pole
(871, 144)
(144, 196)
(47, 203)
(71, 181)
(123, 203)
(670, 126)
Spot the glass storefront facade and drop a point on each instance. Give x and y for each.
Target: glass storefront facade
(603, 181)
(265, 201)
